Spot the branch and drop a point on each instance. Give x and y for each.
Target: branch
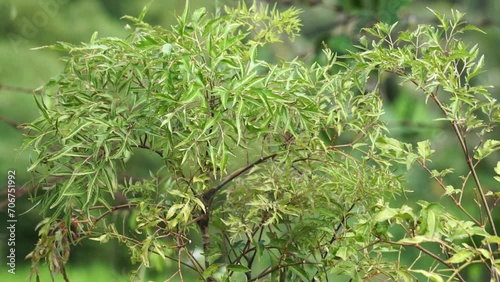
(208, 196)
(20, 192)
(465, 151)
(427, 252)
(468, 160)
(25, 189)
(115, 208)
(443, 186)
(270, 270)
(10, 122)
(16, 89)
(337, 229)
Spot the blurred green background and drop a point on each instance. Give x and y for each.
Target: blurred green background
(25, 24)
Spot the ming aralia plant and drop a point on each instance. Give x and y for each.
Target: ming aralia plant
(273, 171)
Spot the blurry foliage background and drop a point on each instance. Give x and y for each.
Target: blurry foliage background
(25, 24)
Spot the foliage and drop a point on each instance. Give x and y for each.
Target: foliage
(272, 170)
(96, 271)
(443, 68)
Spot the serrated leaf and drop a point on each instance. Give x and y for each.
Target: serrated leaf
(486, 149)
(493, 240)
(62, 192)
(424, 149)
(497, 168)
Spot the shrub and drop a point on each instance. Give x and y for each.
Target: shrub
(277, 171)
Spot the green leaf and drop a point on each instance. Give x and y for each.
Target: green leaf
(493, 240)
(474, 28)
(199, 203)
(144, 11)
(167, 48)
(62, 192)
(461, 256)
(434, 277)
(172, 210)
(211, 270)
(238, 268)
(486, 149)
(299, 271)
(497, 168)
(104, 238)
(415, 240)
(64, 152)
(485, 253)
(385, 214)
(424, 149)
(342, 253)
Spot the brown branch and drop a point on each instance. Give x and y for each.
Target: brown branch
(270, 270)
(209, 195)
(443, 186)
(337, 229)
(20, 192)
(207, 198)
(468, 160)
(16, 89)
(427, 252)
(115, 208)
(247, 248)
(465, 151)
(10, 122)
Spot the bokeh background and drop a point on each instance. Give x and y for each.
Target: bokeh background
(25, 24)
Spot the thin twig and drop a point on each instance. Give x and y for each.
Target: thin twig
(115, 208)
(443, 186)
(278, 267)
(16, 89)
(209, 195)
(10, 122)
(468, 160)
(427, 252)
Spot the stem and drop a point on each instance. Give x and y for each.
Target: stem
(457, 203)
(334, 236)
(427, 252)
(468, 159)
(10, 122)
(472, 169)
(270, 270)
(209, 195)
(205, 234)
(115, 208)
(16, 89)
